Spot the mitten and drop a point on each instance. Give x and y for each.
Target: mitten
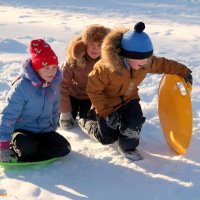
(5, 152)
(66, 121)
(112, 120)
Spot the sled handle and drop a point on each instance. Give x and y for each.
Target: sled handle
(187, 85)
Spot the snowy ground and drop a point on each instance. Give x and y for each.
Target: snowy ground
(93, 171)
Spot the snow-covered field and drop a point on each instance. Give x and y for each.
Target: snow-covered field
(93, 171)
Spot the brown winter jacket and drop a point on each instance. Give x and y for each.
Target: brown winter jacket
(111, 84)
(75, 75)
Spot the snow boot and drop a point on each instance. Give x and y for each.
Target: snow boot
(89, 127)
(133, 155)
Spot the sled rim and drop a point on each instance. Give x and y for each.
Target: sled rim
(15, 163)
(177, 130)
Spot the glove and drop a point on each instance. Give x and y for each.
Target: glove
(66, 121)
(5, 152)
(112, 120)
(189, 79)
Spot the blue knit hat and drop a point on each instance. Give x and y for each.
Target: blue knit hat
(136, 44)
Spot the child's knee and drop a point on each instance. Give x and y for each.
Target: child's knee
(108, 138)
(24, 145)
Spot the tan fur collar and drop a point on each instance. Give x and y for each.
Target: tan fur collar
(111, 50)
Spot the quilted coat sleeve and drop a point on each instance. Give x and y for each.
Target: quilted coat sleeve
(11, 111)
(65, 103)
(56, 107)
(97, 82)
(163, 65)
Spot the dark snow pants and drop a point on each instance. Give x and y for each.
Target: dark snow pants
(29, 147)
(127, 134)
(80, 106)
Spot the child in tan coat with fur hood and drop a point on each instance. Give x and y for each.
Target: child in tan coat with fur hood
(82, 53)
(127, 57)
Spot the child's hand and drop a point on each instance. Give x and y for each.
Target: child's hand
(66, 121)
(112, 120)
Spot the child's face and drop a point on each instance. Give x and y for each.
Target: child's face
(137, 64)
(47, 73)
(94, 50)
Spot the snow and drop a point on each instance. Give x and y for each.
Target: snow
(93, 171)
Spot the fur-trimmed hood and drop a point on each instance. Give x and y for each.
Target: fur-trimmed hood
(76, 51)
(28, 73)
(111, 49)
(77, 48)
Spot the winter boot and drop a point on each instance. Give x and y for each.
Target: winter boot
(81, 123)
(133, 155)
(89, 127)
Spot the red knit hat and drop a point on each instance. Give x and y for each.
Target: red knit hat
(41, 54)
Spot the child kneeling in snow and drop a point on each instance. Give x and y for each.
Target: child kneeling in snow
(82, 53)
(127, 56)
(29, 118)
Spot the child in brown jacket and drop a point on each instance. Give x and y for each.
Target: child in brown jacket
(82, 53)
(127, 57)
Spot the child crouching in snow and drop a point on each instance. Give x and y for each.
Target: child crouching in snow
(29, 118)
(127, 56)
(82, 53)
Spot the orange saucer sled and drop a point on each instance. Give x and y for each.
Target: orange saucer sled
(175, 112)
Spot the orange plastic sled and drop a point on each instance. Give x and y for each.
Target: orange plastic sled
(175, 112)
